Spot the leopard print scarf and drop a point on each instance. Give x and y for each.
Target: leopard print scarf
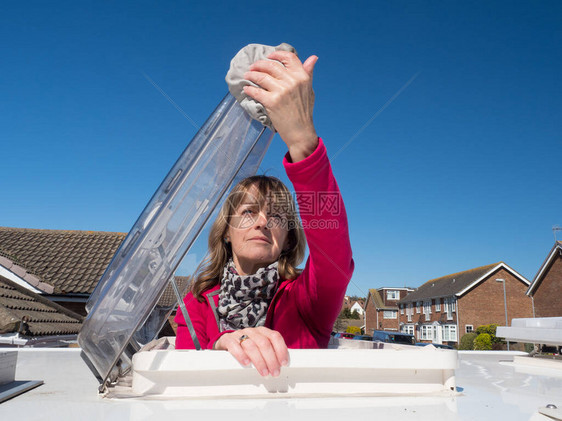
(244, 300)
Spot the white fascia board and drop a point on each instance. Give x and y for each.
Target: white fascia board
(501, 265)
(15, 278)
(541, 271)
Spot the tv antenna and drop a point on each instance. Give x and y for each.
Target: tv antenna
(554, 229)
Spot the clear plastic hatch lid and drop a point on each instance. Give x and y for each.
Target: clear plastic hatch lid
(229, 147)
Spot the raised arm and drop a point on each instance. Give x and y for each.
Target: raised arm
(323, 282)
(285, 90)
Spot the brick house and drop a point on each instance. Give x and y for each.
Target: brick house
(358, 307)
(442, 310)
(381, 309)
(61, 265)
(546, 289)
(27, 318)
(353, 305)
(65, 266)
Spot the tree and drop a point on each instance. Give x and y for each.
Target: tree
(354, 315)
(483, 342)
(346, 313)
(353, 329)
(467, 341)
(490, 330)
(339, 325)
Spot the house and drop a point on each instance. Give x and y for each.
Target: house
(346, 303)
(63, 266)
(381, 309)
(357, 307)
(444, 309)
(546, 288)
(353, 304)
(27, 318)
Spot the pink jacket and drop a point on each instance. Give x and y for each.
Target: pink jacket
(303, 310)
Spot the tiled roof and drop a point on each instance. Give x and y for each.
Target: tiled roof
(58, 261)
(168, 297)
(361, 303)
(552, 254)
(32, 315)
(448, 285)
(378, 301)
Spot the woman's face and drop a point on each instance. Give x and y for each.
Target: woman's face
(257, 234)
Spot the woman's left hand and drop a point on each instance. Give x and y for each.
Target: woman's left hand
(285, 90)
(260, 346)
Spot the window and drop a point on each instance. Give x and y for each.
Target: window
(409, 311)
(390, 314)
(409, 329)
(469, 328)
(450, 333)
(418, 307)
(453, 304)
(426, 333)
(427, 309)
(401, 308)
(438, 304)
(448, 307)
(392, 295)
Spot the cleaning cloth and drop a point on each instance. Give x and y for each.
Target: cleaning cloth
(239, 65)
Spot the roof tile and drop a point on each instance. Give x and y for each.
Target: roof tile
(448, 285)
(378, 301)
(168, 298)
(69, 261)
(30, 314)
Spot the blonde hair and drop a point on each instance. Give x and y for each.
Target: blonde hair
(210, 270)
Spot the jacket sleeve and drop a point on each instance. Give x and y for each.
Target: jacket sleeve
(320, 288)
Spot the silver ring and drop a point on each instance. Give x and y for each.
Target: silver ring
(243, 338)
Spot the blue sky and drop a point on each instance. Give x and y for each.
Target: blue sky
(453, 110)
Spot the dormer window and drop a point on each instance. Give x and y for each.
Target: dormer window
(392, 295)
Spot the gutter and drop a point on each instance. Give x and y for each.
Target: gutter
(12, 339)
(458, 320)
(67, 298)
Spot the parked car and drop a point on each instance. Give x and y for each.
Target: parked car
(435, 345)
(362, 338)
(344, 335)
(393, 337)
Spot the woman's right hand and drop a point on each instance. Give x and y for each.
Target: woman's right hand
(264, 348)
(284, 88)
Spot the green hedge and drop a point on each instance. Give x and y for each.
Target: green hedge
(483, 342)
(490, 330)
(467, 341)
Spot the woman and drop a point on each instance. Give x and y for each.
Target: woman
(249, 298)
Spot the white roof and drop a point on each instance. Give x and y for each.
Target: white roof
(490, 387)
